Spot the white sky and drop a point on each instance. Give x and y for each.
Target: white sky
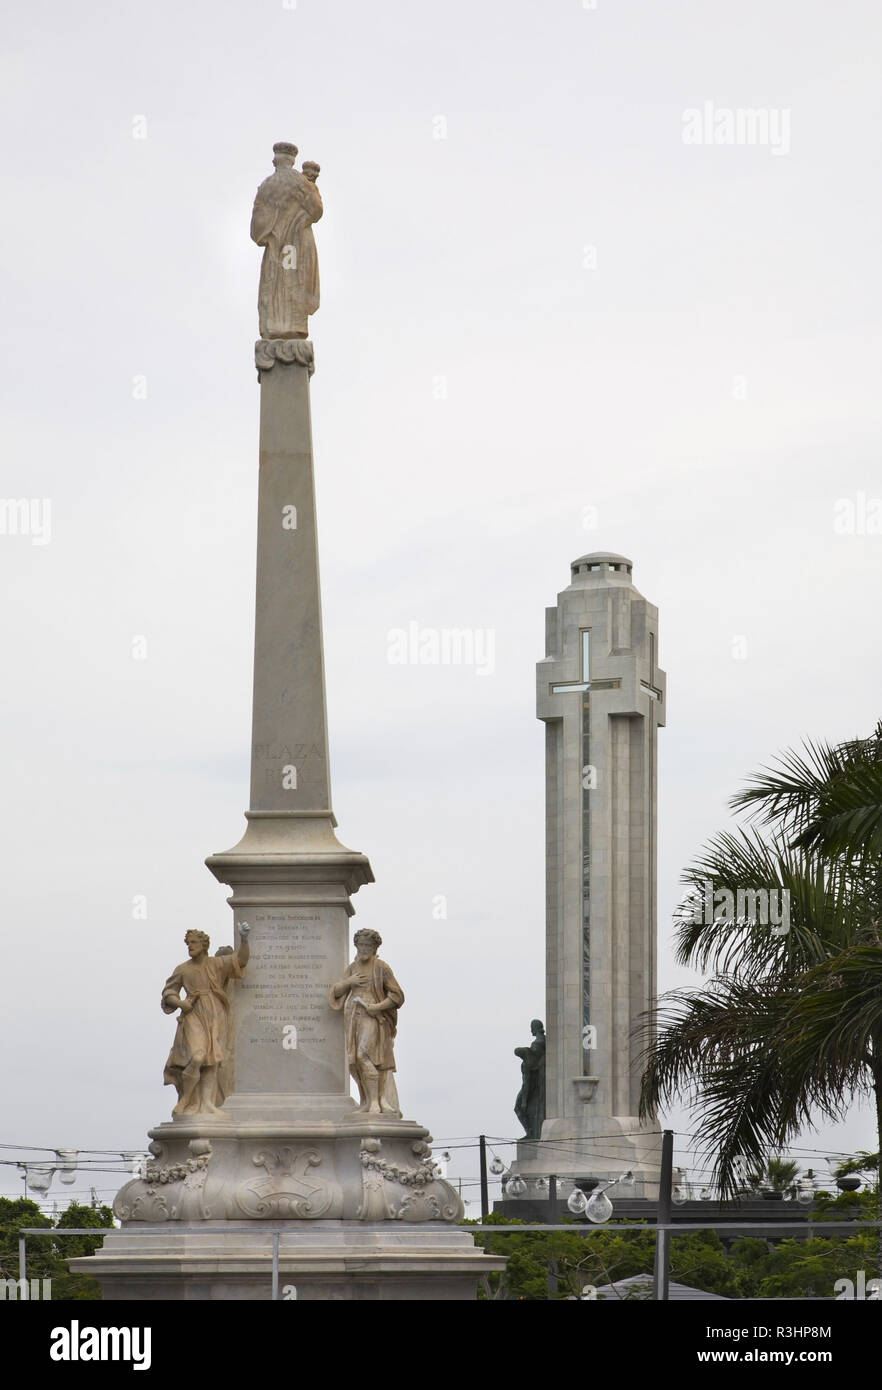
(460, 258)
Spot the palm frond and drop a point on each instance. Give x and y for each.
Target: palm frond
(836, 1017)
(848, 816)
(717, 1051)
(822, 911)
(787, 793)
(826, 797)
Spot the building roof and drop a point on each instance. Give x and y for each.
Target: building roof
(639, 1287)
(603, 557)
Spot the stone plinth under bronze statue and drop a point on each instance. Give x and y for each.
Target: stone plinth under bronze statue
(265, 1135)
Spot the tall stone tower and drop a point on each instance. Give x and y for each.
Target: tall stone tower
(601, 696)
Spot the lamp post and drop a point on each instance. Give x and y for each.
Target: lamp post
(663, 1236)
(485, 1191)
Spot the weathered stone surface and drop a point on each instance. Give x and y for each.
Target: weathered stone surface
(267, 352)
(305, 1172)
(200, 1065)
(370, 996)
(320, 1260)
(285, 208)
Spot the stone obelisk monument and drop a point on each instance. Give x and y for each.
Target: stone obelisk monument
(270, 1138)
(602, 698)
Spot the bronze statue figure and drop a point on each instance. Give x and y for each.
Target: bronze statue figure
(530, 1104)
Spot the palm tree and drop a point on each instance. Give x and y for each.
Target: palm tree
(789, 1027)
(777, 1174)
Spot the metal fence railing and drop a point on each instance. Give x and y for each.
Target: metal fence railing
(763, 1230)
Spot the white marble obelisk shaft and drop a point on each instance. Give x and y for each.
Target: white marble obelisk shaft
(292, 879)
(289, 755)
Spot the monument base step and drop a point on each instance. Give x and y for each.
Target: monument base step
(333, 1260)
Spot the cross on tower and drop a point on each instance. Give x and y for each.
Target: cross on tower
(586, 682)
(652, 691)
(586, 677)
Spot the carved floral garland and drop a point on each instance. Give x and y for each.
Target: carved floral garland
(174, 1172)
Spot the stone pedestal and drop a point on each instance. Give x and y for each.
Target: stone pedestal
(327, 1261)
(291, 881)
(361, 1210)
(601, 1147)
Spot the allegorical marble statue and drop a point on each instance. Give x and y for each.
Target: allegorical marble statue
(286, 205)
(370, 997)
(202, 1043)
(530, 1104)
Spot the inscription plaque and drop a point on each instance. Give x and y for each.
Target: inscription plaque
(296, 955)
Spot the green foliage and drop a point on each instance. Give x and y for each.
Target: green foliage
(47, 1257)
(532, 1257)
(791, 1268)
(14, 1213)
(862, 1162)
(699, 1259)
(847, 1206)
(781, 1172)
(66, 1286)
(747, 1267)
(777, 1174)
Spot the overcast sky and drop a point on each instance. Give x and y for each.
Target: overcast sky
(537, 300)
